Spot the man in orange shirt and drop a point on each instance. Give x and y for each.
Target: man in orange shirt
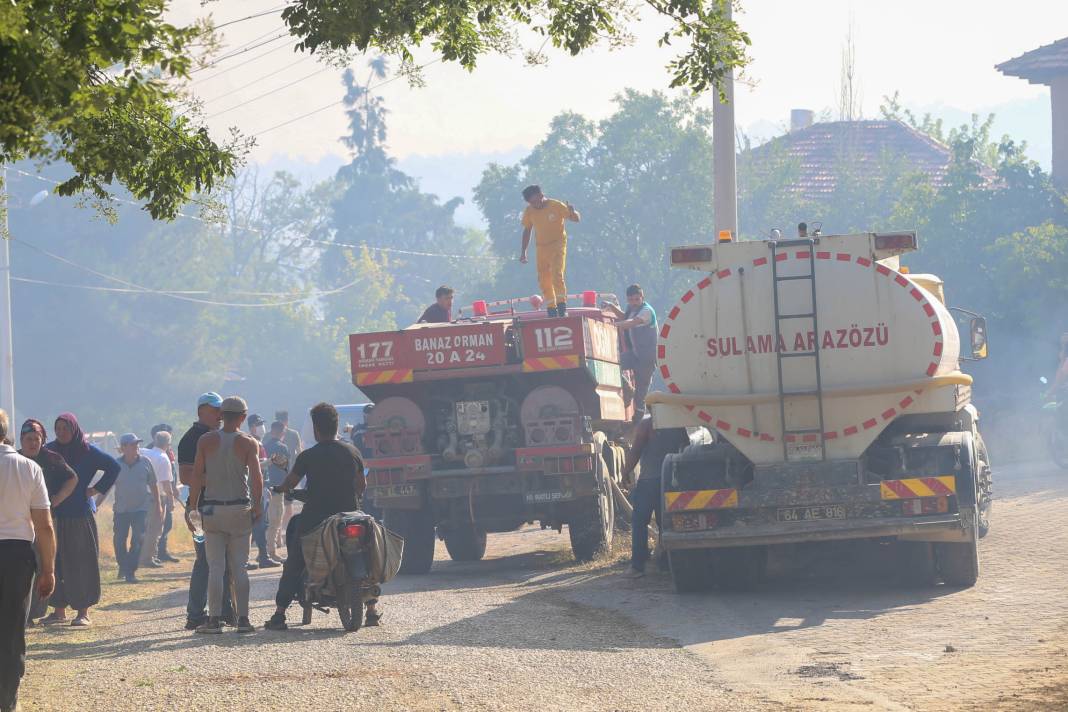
(546, 217)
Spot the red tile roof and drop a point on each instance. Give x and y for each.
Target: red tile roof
(1039, 66)
(822, 150)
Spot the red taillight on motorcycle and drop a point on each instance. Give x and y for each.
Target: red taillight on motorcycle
(352, 531)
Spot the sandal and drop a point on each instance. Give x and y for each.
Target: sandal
(52, 619)
(81, 622)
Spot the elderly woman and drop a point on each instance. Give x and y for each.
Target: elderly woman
(77, 549)
(60, 481)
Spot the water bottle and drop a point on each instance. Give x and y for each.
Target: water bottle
(198, 526)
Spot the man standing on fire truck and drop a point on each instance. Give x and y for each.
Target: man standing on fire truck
(638, 326)
(546, 218)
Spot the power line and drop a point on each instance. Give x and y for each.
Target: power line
(239, 52)
(134, 287)
(308, 240)
(268, 93)
(236, 66)
(250, 17)
(335, 103)
(257, 81)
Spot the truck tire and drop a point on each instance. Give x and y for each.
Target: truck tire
(740, 568)
(691, 570)
(986, 496)
(593, 521)
(417, 529)
(465, 542)
(959, 562)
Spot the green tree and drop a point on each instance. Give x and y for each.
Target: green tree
(641, 178)
(464, 30)
(380, 208)
(86, 83)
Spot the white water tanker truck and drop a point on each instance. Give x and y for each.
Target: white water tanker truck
(832, 380)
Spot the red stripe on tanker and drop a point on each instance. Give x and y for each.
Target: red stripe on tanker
(876, 325)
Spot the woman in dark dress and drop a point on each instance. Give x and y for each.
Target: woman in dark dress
(77, 547)
(59, 479)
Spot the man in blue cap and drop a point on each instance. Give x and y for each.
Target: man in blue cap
(209, 417)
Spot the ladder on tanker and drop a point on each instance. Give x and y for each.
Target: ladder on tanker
(790, 434)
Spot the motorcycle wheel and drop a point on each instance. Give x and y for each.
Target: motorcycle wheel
(350, 608)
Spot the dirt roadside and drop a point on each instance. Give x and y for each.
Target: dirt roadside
(839, 635)
(528, 629)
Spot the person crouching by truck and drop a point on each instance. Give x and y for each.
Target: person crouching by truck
(546, 218)
(638, 327)
(650, 448)
(334, 470)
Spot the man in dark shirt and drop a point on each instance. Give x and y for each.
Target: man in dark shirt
(334, 470)
(440, 312)
(650, 448)
(209, 416)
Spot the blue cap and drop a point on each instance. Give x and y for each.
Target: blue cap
(129, 439)
(210, 398)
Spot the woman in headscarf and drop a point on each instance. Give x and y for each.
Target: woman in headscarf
(77, 549)
(60, 481)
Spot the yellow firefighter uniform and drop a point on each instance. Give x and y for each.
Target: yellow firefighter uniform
(550, 244)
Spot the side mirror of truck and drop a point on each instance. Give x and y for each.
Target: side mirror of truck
(976, 326)
(978, 333)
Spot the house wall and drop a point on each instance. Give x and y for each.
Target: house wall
(1059, 100)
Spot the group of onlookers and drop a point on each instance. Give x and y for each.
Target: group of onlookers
(50, 492)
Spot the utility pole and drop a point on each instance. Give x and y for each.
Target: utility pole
(7, 356)
(725, 196)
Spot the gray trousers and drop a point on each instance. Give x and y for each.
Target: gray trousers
(227, 533)
(153, 529)
(643, 375)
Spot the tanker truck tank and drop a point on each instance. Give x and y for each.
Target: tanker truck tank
(812, 359)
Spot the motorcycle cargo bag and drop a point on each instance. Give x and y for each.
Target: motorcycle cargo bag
(384, 556)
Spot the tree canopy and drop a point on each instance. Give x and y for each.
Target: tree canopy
(85, 83)
(465, 30)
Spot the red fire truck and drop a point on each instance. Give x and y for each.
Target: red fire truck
(495, 420)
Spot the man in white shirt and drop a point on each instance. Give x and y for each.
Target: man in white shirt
(161, 465)
(24, 521)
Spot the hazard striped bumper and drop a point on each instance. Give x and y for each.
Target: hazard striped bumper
(941, 486)
(550, 363)
(375, 378)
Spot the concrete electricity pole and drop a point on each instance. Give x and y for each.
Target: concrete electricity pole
(7, 356)
(725, 196)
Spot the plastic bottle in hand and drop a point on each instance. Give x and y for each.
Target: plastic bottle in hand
(198, 526)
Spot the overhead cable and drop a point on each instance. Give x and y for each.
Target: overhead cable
(308, 240)
(335, 103)
(256, 81)
(180, 296)
(250, 17)
(268, 93)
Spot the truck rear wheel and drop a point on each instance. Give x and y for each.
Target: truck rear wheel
(740, 568)
(465, 542)
(416, 527)
(691, 570)
(959, 562)
(592, 524)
